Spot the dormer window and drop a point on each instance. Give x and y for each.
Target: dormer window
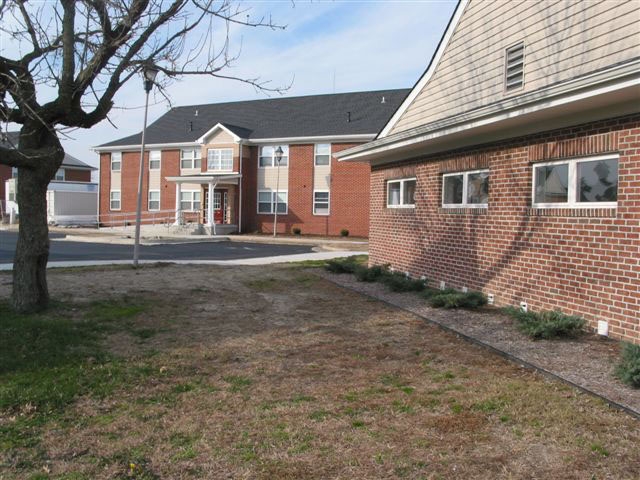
(514, 67)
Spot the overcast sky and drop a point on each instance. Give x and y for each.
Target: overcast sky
(327, 47)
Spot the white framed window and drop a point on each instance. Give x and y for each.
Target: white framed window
(267, 201)
(322, 154)
(220, 159)
(321, 202)
(59, 175)
(154, 200)
(268, 156)
(580, 182)
(190, 158)
(154, 159)
(116, 161)
(14, 172)
(114, 200)
(514, 67)
(466, 189)
(401, 193)
(190, 201)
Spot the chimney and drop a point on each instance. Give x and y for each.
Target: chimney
(348, 117)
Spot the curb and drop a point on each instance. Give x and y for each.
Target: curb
(502, 353)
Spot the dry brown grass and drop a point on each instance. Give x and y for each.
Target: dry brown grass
(274, 373)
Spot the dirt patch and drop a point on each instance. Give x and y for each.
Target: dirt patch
(274, 372)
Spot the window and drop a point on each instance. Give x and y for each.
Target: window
(154, 200)
(267, 156)
(59, 175)
(114, 200)
(116, 161)
(514, 67)
(320, 203)
(220, 159)
(190, 201)
(466, 189)
(585, 182)
(14, 172)
(154, 159)
(401, 193)
(190, 158)
(322, 154)
(267, 200)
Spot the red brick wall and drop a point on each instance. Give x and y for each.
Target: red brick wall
(583, 262)
(349, 196)
(169, 167)
(105, 186)
(75, 175)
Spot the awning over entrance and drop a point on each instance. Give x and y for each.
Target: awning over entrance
(208, 178)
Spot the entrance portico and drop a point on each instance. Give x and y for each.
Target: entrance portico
(216, 200)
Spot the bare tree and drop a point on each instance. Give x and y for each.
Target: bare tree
(72, 58)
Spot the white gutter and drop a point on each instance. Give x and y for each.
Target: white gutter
(240, 192)
(118, 148)
(360, 137)
(617, 78)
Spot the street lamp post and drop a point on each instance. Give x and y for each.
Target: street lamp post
(149, 76)
(278, 155)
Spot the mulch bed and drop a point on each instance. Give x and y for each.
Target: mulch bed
(587, 362)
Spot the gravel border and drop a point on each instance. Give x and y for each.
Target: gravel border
(586, 363)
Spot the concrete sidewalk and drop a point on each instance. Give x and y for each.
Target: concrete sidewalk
(245, 261)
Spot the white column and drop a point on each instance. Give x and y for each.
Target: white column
(178, 195)
(210, 206)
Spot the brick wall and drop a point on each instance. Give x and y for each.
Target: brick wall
(583, 262)
(76, 175)
(349, 196)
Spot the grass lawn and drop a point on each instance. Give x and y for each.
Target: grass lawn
(275, 373)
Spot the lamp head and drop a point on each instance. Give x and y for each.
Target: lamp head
(149, 73)
(279, 153)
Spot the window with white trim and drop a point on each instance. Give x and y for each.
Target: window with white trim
(114, 200)
(401, 193)
(268, 156)
(466, 189)
(154, 159)
(321, 202)
(154, 200)
(267, 201)
(579, 182)
(116, 161)
(514, 67)
(14, 172)
(322, 154)
(190, 201)
(190, 158)
(220, 159)
(59, 175)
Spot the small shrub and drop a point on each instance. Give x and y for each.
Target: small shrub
(372, 274)
(547, 324)
(344, 232)
(398, 282)
(296, 231)
(628, 370)
(453, 299)
(342, 265)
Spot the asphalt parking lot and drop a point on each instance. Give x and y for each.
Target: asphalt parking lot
(61, 251)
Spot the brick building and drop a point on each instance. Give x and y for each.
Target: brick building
(230, 149)
(513, 166)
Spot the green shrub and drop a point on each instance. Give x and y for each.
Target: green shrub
(398, 282)
(628, 370)
(344, 232)
(547, 324)
(372, 274)
(296, 231)
(449, 299)
(343, 265)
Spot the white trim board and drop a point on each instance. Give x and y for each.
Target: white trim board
(426, 76)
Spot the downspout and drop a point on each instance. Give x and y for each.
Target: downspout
(100, 187)
(240, 193)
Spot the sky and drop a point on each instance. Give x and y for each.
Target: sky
(326, 47)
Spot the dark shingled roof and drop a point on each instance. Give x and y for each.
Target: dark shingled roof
(11, 140)
(309, 116)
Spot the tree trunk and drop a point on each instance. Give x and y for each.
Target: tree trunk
(30, 292)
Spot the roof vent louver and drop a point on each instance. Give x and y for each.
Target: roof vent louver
(196, 114)
(383, 100)
(514, 67)
(348, 117)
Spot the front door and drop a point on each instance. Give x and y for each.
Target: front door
(218, 207)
